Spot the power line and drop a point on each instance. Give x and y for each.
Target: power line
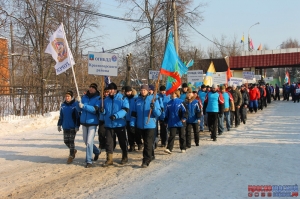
(97, 13)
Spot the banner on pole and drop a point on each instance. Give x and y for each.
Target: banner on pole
(105, 64)
(235, 81)
(257, 77)
(153, 74)
(195, 76)
(219, 78)
(60, 51)
(248, 75)
(268, 79)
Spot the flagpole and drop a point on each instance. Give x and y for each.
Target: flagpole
(70, 63)
(154, 96)
(102, 90)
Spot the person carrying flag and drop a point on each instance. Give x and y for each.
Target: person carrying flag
(89, 119)
(144, 106)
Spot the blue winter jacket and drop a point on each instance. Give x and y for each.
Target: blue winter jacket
(68, 116)
(175, 112)
(118, 106)
(182, 96)
(214, 102)
(131, 101)
(165, 99)
(140, 113)
(194, 111)
(202, 95)
(227, 98)
(89, 112)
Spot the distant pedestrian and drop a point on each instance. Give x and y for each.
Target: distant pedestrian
(194, 115)
(245, 102)
(163, 127)
(228, 106)
(277, 91)
(237, 98)
(202, 94)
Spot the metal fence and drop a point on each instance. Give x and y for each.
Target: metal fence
(25, 102)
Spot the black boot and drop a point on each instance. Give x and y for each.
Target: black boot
(124, 158)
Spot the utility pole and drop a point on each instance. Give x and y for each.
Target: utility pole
(175, 26)
(128, 65)
(12, 83)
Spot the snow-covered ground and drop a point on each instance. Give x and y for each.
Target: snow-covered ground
(265, 151)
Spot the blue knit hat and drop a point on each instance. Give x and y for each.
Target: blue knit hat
(151, 87)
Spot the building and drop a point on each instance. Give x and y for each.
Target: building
(4, 66)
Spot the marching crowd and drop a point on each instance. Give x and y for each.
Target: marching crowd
(143, 119)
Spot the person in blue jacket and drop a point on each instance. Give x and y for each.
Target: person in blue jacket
(131, 95)
(194, 114)
(89, 119)
(202, 94)
(156, 139)
(144, 116)
(114, 113)
(163, 128)
(69, 122)
(175, 117)
(101, 129)
(214, 107)
(184, 88)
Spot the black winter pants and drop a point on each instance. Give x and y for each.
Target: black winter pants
(296, 98)
(110, 134)
(148, 137)
(131, 135)
(212, 120)
(277, 97)
(163, 133)
(101, 135)
(243, 113)
(181, 132)
(235, 116)
(188, 133)
(69, 137)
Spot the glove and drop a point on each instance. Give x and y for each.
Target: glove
(132, 129)
(152, 105)
(78, 98)
(101, 110)
(59, 128)
(76, 129)
(81, 105)
(220, 115)
(112, 117)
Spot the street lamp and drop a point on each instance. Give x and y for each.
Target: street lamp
(249, 35)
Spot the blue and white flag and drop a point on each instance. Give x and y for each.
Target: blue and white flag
(60, 51)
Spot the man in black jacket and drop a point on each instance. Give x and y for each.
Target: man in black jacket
(245, 102)
(237, 98)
